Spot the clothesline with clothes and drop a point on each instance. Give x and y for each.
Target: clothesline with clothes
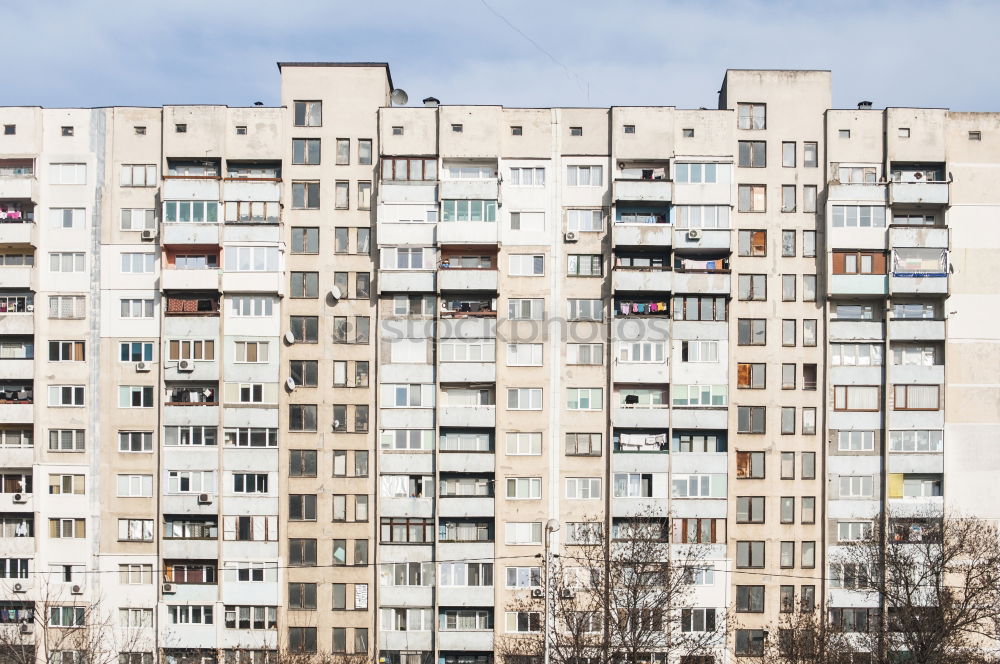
(644, 307)
(642, 442)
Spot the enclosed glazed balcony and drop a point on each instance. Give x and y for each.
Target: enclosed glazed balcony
(640, 407)
(467, 406)
(919, 270)
(919, 184)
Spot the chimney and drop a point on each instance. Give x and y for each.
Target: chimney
(864, 106)
(431, 102)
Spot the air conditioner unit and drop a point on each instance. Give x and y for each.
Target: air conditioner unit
(168, 589)
(537, 592)
(204, 499)
(19, 588)
(694, 234)
(185, 365)
(567, 593)
(19, 498)
(143, 366)
(570, 236)
(26, 628)
(76, 590)
(30, 308)
(149, 234)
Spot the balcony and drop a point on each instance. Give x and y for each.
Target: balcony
(203, 280)
(18, 187)
(642, 307)
(465, 596)
(859, 284)
(643, 190)
(458, 279)
(14, 501)
(416, 191)
(465, 506)
(406, 507)
(857, 192)
(642, 235)
(189, 548)
(919, 193)
(191, 187)
(467, 232)
(702, 239)
(16, 412)
(17, 233)
(917, 374)
(467, 372)
(916, 330)
(252, 282)
(641, 279)
(918, 283)
(700, 418)
(16, 277)
(468, 307)
(641, 372)
(640, 417)
(483, 417)
(458, 326)
(17, 369)
(190, 233)
(702, 282)
(466, 462)
(253, 190)
(855, 330)
(479, 640)
(420, 234)
(485, 189)
(918, 236)
(405, 281)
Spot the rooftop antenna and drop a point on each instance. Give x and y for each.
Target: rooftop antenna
(399, 97)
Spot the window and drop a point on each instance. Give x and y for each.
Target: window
(585, 220)
(788, 334)
(522, 488)
(135, 396)
(858, 216)
(523, 532)
(190, 481)
(523, 176)
(752, 287)
(629, 128)
(701, 173)
(753, 243)
(526, 265)
(584, 176)
(305, 329)
(787, 419)
(583, 444)
(138, 175)
(199, 212)
(407, 439)
(68, 173)
(592, 310)
(61, 351)
(401, 529)
(916, 397)
(750, 554)
(67, 484)
(135, 441)
(856, 397)
(858, 262)
(788, 154)
(66, 395)
(301, 552)
(750, 465)
(919, 440)
(523, 577)
(583, 488)
(9, 129)
(524, 398)
(750, 509)
(753, 154)
(524, 355)
(135, 486)
(342, 197)
(308, 113)
(752, 198)
(305, 195)
(468, 210)
(250, 483)
(856, 486)
(787, 376)
(67, 616)
(751, 376)
(66, 440)
(654, 352)
(520, 444)
(526, 309)
(809, 205)
(633, 485)
(751, 116)
(584, 398)
(576, 131)
(808, 502)
(138, 263)
(751, 331)
(698, 486)
(690, 307)
(67, 528)
(687, 132)
(788, 198)
(750, 419)
(65, 261)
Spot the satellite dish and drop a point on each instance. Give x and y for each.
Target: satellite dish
(289, 337)
(399, 97)
(290, 383)
(335, 293)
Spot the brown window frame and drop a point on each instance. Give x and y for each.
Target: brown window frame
(877, 408)
(744, 375)
(758, 243)
(905, 386)
(838, 262)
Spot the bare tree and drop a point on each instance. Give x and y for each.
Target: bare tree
(937, 584)
(618, 598)
(57, 629)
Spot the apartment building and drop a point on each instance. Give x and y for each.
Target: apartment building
(354, 369)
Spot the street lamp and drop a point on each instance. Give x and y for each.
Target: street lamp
(551, 526)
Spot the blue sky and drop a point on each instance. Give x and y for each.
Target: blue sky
(615, 52)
